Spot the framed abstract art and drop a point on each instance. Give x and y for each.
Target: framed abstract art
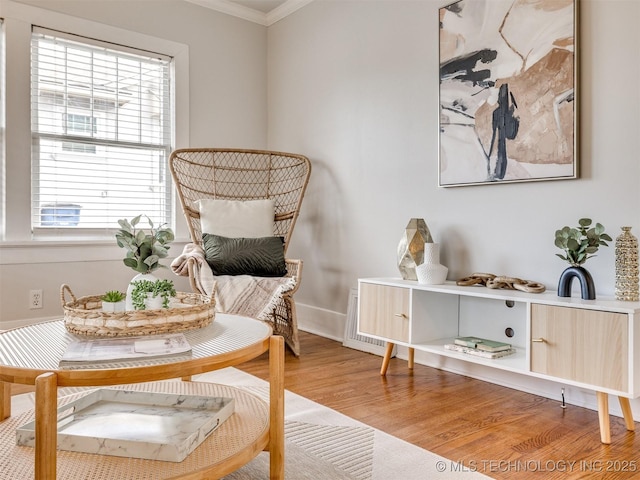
(508, 91)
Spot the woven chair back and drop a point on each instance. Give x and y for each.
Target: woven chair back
(212, 173)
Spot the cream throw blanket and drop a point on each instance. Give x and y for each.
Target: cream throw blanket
(253, 297)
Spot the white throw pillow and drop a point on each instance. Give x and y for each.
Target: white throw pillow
(236, 218)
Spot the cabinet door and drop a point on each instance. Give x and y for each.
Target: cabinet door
(586, 346)
(384, 311)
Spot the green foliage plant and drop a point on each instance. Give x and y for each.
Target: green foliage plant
(581, 243)
(113, 296)
(141, 288)
(144, 248)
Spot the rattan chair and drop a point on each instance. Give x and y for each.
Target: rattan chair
(234, 174)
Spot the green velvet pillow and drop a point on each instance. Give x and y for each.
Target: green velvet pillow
(259, 257)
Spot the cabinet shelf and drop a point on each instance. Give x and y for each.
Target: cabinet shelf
(585, 343)
(516, 362)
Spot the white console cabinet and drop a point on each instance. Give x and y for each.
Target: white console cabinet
(586, 343)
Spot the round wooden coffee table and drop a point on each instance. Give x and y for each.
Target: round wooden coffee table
(30, 356)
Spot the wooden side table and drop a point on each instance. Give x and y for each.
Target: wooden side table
(30, 355)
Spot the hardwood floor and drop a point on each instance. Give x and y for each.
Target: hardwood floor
(495, 430)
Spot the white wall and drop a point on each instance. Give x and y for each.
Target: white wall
(354, 85)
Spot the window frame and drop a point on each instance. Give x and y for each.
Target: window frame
(66, 139)
(18, 20)
(3, 87)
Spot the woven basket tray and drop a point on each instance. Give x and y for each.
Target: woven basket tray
(84, 316)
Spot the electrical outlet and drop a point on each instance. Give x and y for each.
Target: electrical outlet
(35, 299)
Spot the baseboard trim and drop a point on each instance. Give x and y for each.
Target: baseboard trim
(320, 321)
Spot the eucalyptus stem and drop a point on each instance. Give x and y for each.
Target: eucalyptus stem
(581, 243)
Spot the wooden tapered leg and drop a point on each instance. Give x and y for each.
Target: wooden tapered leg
(276, 408)
(46, 426)
(410, 359)
(627, 413)
(5, 400)
(603, 417)
(387, 357)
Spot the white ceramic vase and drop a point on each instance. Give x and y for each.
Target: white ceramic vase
(140, 276)
(431, 271)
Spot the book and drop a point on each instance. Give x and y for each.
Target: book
(482, 344)
(103, 350)
(477, 352)
(471, 342)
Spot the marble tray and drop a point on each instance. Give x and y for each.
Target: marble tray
(154, 426)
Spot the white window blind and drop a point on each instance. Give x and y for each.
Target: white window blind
(101, 133)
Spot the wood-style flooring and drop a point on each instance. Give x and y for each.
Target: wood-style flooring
(479, 426)
(495, 430)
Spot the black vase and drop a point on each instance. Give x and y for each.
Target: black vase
(587, 287)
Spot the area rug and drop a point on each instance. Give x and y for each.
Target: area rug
(322, 444)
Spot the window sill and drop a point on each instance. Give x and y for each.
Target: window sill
(58, 251)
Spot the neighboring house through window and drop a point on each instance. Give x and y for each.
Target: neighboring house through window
(80, 125)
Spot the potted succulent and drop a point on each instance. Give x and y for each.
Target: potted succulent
(113, 301)
(579, 244)
(152, 295)
(144, 249)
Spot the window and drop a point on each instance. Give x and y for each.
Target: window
(79, 125)
(101, 133)
(2, 131)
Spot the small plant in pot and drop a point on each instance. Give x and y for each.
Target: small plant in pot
(113, 301)
(144, 249)
(151, 295)
(579, 244)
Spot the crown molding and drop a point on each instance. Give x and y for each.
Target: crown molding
(284, 10)
(240, 11)
(233, 9)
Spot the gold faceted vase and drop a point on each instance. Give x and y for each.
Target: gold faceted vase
(627, 266)
(411, 247)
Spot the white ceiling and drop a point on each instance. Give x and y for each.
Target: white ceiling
(264, 12)
(264, 6)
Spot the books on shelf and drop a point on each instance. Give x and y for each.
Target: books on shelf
(104, 350)
(479, 353)
(482, 344)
